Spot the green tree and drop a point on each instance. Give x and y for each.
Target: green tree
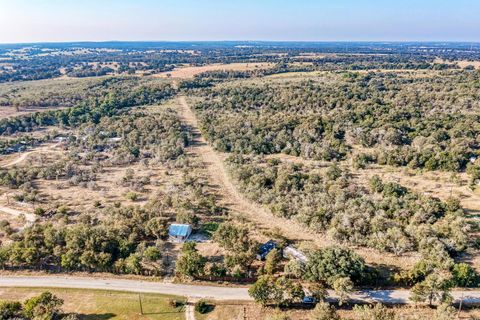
(152, 254)
(261, 291)
(133, 264)
(435, 288)
(343, 287)
(43, 307)
(327, 265)
(324, 311)
(288, 291)
(272, 260)
(294, 269)
(10, 310)
(377, 312)
(464, 275)
(190, 263)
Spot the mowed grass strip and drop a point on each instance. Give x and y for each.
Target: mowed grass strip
(102, 305)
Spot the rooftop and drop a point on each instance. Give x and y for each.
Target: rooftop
(179, 230)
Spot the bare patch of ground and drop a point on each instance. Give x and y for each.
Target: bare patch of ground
(460, 63)
(190, 71)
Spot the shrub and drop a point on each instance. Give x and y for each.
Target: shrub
(203, 307)
(39, 211)
(132, 196)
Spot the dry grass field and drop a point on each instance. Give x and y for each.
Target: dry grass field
(461, 63)
(101, 305)
(235, 311)
(189, 72)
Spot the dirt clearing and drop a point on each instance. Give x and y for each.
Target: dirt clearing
(190, 72)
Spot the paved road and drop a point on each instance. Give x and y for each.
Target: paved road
(191, 291)
(194, 292)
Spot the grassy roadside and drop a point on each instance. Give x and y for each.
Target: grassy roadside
(102, 305)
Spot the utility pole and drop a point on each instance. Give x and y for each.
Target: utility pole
(460, 307)
(140, 303)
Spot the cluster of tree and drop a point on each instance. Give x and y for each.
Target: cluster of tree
(111, 103)
(22, 177)
(433, 276)
(281, 291)
(89, 71)
(129, 137)
(160, 136)
(334, 267)
(386, 216)
(89, 247)
(45, 306)
(240, 254)
(417, 121)
(20, 144)
(31, 71)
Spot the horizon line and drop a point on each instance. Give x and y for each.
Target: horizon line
(239, 41)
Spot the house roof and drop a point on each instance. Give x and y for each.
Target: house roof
(179, 230)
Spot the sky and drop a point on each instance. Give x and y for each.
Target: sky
(289, 20)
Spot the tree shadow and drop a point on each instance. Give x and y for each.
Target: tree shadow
(103, 316)
(209, 307)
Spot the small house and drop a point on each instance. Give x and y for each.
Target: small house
(179, 232)
(265, 249)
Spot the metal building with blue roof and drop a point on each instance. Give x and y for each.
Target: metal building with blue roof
(179, 232)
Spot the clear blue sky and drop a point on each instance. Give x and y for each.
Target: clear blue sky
(322, 20)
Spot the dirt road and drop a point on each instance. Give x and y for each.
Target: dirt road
(30, 217)
(190, 310)
(19, 158)
(235, 201)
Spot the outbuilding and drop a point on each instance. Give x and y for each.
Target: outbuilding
(179, 232)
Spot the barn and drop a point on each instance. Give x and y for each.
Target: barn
(179, 232)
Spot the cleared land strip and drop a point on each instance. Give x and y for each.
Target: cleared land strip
(201, 291)
(213, 162)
